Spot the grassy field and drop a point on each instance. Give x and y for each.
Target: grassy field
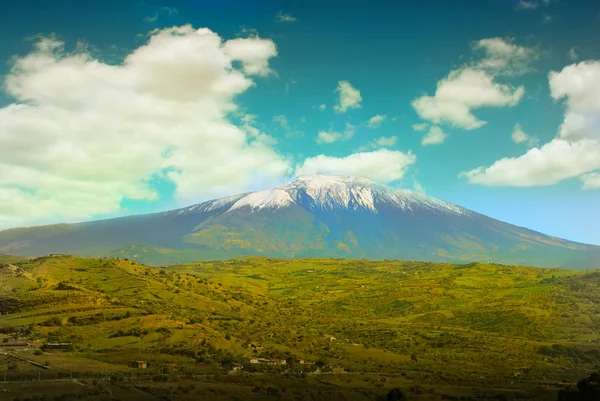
(475, 330)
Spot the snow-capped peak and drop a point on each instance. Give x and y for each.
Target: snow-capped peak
(272, 198)
(327, 192)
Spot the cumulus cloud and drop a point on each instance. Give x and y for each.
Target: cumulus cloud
(282, 121)
(576, 149)
(382, 165)
(170, 11)
(334, 136)
(329, 136)
(376, 121)
(420, 127)
(281, 17)
(578, 85)
(527, 5)
(419, 188)
(381, 142)
(532, 4)
(504, 57)
(553, 162)
(84, 135)
(573, 54)
(462, 91)
(349, 97)
(386, 141)
(288, 130)
(253, 53)
(435, 136)
(520, 136)
(590, 181)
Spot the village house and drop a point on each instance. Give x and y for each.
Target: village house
(14, 346)
(249, 361)
(236, 367)
(141, 364)
(58, 347)
(265, 361)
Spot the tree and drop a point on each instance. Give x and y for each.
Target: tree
(587, 389)
(395, 394)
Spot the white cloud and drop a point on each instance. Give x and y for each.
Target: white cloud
(333, 136)
(170, 11)
(553, 162)
(590, 181)
(547, 18)
(419, 188)
(253, 53)
(329, 136)
(520, 136)
(322, 107)
(527, 5)
(503, 57)
(579, 85)
(462, 91)
(420, 127)
(386, 140)
(349, 97)
(376, 121)
(84, 135)
(576, 149)
(281, 17)
(573, 54)
(381, 142)
(435, 136)
(303, 119)
(281, 120)
(289, 131)
(381, 165)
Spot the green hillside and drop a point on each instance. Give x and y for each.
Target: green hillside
(431, 329)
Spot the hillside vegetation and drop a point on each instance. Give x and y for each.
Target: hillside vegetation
(432, 329)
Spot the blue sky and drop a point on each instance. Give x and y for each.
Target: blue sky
(392, 53)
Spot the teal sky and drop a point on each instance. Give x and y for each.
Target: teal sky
(392, 52)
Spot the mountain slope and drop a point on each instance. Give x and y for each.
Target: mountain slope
(311, 216)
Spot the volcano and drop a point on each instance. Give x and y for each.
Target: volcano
(313, 216)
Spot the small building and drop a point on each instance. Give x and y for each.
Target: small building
(249, 361)
(236, 366)
(14, 346)
(58, 347)
(141, 364)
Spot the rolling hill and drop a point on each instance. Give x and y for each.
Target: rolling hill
(311, 216)
(432, 329)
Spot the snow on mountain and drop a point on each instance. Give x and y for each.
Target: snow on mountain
(209, 205)
(327, 192)
(272, 198)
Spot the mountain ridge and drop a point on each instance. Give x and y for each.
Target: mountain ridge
(310, 216)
